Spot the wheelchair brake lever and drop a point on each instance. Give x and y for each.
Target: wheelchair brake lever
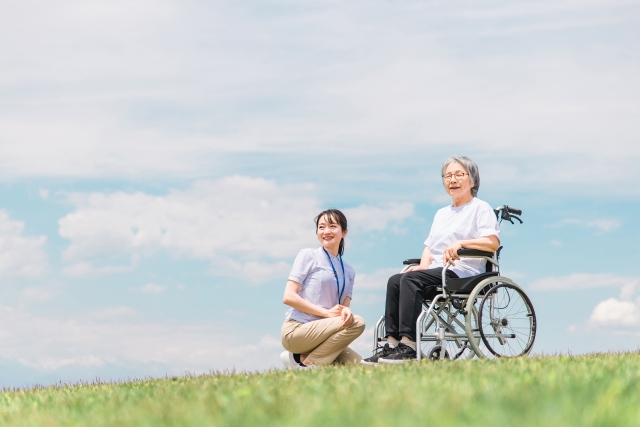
(515, 217)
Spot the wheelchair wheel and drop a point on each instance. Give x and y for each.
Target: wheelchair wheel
(434, 353)
(454, 349)
(506, 321)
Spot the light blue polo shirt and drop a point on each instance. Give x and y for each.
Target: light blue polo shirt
(313, 271)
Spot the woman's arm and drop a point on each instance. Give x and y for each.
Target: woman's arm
(425, 261)
(488, 244)
(292, 299)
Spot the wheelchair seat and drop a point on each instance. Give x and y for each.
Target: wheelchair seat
(466, 285)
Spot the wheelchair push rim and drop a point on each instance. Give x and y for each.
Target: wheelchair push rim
(506, 321)
(454, 322)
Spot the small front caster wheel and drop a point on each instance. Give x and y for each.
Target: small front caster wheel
(434, 353)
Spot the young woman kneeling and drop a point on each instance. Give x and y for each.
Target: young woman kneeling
(319, 326)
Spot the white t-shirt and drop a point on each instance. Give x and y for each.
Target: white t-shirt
(470, 221)
(313, 271)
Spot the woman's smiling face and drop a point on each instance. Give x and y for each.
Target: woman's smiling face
(329, 232)
(457, 186)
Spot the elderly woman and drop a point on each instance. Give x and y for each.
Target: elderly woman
(466, 223)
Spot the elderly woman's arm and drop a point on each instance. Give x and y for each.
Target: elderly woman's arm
(487, 244)
(425, 261)
(292, 299)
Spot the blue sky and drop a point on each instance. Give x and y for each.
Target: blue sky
(161, 164)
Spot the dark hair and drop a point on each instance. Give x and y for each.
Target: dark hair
(335, 217)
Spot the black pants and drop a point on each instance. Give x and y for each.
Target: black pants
(405, 293)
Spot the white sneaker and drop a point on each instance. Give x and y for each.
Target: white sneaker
(287, 360)
(314, 366)
(290, 363)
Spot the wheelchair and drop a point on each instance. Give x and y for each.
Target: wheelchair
(484, 316)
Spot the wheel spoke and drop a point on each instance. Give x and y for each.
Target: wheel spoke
(505, 303)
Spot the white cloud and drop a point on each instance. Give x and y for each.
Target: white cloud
(20, 256)
(118, 336)
(147, 88)
(243, 225)
(604, 225)
(252, 216)
(85, 269)
(369, 288)
(617, 314)
(376, 280)
(40, 293)
(112, 313)
(151, 288)
(601, 224)
(614, 312)
(581, 281)
(364, 343)
(372, 218)
(255, 272)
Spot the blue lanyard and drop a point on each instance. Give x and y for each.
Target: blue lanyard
(335, 274)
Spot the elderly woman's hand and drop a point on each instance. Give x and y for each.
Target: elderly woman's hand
(451, 253)
(414, 268)
(425, 261)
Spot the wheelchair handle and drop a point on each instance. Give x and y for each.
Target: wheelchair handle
(509, 209)
(506, 213)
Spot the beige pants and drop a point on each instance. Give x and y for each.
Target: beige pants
(325, 340)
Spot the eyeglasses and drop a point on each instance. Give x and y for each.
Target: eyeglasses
(458, 175)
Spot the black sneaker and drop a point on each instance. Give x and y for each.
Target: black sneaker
(402, 353)
(377, 354)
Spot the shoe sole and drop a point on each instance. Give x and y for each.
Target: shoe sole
(362, 362)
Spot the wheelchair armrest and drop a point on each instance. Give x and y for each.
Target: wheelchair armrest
(474, 253)
(411, 261)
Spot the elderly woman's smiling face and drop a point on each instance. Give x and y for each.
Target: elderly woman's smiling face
(457, 181)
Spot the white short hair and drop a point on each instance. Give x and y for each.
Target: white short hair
(471, 168)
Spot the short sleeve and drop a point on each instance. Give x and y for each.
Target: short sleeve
(486, 222)
(429, 241)
(349, 290)
(302, 266)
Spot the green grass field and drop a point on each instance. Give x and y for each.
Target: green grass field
(597, 390)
